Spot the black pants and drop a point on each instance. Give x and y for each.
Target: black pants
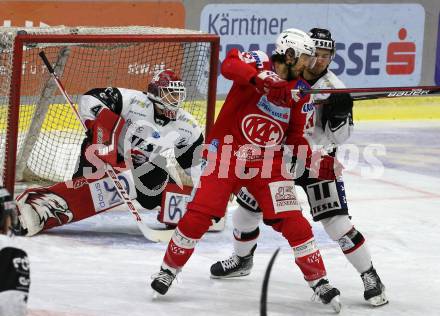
(153, 175)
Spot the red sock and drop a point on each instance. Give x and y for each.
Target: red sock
(190, 229)
(297, 231)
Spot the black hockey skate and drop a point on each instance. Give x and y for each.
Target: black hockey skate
(327, 294)
(162, 281)
(374, 291)
(234, 266)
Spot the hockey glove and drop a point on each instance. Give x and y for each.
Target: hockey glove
(269, 83)
(106, 130)
(326, 168)
(268, 80)
(337, 108)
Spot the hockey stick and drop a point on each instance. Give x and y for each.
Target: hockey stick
(392, 94)
(385, 92)
(263, 299)
(410, 91)
(149, 233)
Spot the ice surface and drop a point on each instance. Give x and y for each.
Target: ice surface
(102, 266)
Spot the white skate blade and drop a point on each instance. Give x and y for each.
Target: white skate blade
(378, 300)
(232, 275)
(336, 304)
(155, 295)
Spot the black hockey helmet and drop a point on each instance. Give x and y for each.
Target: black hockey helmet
(323, 39)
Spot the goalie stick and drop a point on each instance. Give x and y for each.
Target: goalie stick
(148, 232)
(263, 299)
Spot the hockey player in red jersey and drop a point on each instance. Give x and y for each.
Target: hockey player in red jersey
(326, 193)
(245, 149)
(137, 128)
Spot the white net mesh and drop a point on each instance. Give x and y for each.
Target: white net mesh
(49, 134)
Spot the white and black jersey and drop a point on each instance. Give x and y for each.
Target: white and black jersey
(14, 279)
(147, 135)
(145, 131)
(324, 134)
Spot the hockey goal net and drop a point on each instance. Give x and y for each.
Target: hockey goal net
(40, 137)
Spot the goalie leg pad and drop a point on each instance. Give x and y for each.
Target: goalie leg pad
(47, 207)
(246, 230)
(191, 228)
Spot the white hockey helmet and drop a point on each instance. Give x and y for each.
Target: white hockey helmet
(169, 91)
(294, 39)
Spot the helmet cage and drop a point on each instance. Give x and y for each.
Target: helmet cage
(173, 95)
(168, 91)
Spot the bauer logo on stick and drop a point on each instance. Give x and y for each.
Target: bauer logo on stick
(415, 92)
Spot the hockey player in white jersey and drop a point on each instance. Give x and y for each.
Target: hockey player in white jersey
(14, 266)
(326, 194)
(153, 124)
(132, 131)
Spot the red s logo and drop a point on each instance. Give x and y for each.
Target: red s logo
(401, 56)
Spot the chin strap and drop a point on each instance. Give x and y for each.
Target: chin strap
(165, 116)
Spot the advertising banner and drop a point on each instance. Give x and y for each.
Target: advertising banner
(88, 13)
(377, 44)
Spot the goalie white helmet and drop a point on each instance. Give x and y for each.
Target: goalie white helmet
(169, 92)
(294, 39)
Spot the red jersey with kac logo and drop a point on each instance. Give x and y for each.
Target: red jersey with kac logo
(252, 124)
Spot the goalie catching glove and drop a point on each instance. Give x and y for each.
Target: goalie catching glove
(105, 133)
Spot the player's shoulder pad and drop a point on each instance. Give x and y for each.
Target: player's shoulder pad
(136, 97)
(185, 118)
(187, 124)
(329, 81)
(111, 97)
(255, 56)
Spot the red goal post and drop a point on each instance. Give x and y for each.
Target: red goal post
(40, 139)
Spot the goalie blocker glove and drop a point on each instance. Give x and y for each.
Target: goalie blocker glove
(105, 132)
